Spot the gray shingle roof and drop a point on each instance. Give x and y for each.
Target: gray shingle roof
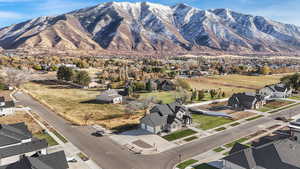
(50, 161)
(153, 119)
(2, 99)
(13, 133)
(109, 95)
(19, 149)
(282, 154)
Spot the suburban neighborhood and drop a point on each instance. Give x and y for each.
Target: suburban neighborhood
(149, 85)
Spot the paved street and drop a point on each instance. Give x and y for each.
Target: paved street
(110, 155)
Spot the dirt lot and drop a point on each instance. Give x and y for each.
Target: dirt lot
(73, 104)
(21, 117)
(221, 107)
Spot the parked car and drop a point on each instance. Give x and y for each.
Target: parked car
(98, 133)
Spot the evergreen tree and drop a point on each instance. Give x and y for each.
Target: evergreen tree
(201, 95)
(65, 73)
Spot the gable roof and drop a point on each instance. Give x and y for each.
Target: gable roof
(281, 154)
(2, 99)
(50, 161)
(13, 133)
(109, 95)
(23, 148)
(154, 119)
(279, 87)
(237, 147)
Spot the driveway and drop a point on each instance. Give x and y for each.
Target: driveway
(110, 155)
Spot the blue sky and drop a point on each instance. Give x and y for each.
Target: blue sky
(14, 11)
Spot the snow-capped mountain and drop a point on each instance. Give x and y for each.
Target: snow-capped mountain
(152, 27)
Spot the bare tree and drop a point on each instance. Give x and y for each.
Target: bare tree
(139, 105)
(16, 77)
(87, 117)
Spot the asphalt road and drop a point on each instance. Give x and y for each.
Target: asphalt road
(110, 155)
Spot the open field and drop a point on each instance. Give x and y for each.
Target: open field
(233, 83)
(165, 97)
(74, 104)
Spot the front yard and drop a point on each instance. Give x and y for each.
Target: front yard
(209, 122)
(74, 104)
(179, 134)
(274, 104)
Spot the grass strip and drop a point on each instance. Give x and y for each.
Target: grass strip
(187, 163)
(254, 118)
(219, 149)
(190, 138)
(179, 134)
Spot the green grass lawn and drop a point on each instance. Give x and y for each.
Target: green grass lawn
(165, 97)
(274, 105)
(179, 134)
(295, 97)
(204, 166)
(187, 163)
(235, 124)
(219, 149)
(190, 138)
(254, 118)
(62, 138)
(209, 122)
(241, 140)
(50, 140)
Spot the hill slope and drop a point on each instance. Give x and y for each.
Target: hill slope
(152, 27)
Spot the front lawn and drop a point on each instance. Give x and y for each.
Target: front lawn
(274, 104)
(295, 97)
(50, 140)
(254, 118)
(179, 134)
(209, 122)
(187, 163)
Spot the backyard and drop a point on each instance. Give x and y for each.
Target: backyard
(74, 104)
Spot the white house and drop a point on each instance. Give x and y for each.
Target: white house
(6, 107)
(279, 90)
(110, 96)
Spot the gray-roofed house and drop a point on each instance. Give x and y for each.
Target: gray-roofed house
(55, 160)
(16, 140)
(279, 90)
(282, 154)
(246, 101)
(6, 107)
(110, 96)
(166, 118)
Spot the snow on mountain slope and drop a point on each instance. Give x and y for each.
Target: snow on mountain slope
(146, 26)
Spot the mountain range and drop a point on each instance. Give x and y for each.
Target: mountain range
(149, 27)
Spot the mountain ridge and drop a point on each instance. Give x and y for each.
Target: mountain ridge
(150, 27)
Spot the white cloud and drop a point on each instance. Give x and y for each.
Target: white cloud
(10, 15)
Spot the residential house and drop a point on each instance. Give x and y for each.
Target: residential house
(282, 154)
(165, 85)
(55, 160)
(110, 96)
(246, 101)
(6, 107)
(279, 90)
(279, 154)
(166, 118)
(16, 141)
